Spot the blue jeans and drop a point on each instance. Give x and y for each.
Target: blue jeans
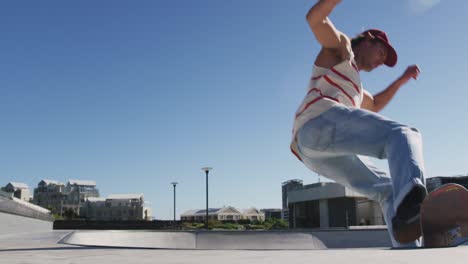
(332, 143)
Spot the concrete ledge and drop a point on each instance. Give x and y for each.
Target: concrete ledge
(260, 240)
(229, 240)
(16, 224)
(354, 238)
(194, 240)
(11, 205)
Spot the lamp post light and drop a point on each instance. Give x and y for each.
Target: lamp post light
(206, 170)
(174, 184)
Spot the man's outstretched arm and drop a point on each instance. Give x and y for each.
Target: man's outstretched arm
(324, 30)
(379, 101)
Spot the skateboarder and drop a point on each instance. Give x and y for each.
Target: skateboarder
(336, 125)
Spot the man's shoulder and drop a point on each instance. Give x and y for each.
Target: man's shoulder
(345, 50)
(328, 58)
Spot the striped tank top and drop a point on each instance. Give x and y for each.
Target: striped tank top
(340, 84)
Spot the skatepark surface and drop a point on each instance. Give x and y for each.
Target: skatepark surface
(29, 240)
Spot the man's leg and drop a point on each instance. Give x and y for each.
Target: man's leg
(360, 175)
(345, 131)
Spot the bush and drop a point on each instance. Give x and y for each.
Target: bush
(277, 224)
(257, 222)
(57, 217)
(214, 224)
(244, 222)
(256, 227)
(69, 214)
(228, 222)
(230, 226)
(192, 225)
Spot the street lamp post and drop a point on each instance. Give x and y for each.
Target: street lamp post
(174, 184)
(206, 170)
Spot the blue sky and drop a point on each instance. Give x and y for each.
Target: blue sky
(137, 94)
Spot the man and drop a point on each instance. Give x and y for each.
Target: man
(336, 124)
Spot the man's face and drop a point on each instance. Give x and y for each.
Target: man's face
(375, 56)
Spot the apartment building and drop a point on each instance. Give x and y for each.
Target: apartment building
(59, 198)
(228, 213)
(116, 207)
(20, 190)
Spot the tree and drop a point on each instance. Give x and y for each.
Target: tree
(69, 214)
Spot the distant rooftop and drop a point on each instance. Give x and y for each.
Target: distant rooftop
(297, 181)
(210, 210)
(82, 183)
(47, 182)
(202, 212)
(19, 185)
(251, 211)
(96, 199)
(125, 196)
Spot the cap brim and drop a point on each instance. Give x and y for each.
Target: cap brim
(392, 56)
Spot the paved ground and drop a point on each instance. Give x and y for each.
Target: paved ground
(249, 240)
(26, 240)
(42, 247)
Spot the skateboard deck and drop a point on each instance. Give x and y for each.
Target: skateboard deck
(444, 216)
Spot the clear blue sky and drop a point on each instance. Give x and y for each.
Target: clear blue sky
(136, 94)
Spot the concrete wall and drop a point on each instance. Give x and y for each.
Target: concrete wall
(22, 208)
(15, 224)
(348, 238)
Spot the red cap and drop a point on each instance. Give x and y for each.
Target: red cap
(382, 37)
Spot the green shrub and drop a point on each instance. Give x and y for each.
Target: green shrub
(57, 217)
(244, 222)
(279, 224)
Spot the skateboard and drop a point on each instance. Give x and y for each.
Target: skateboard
(444, 216)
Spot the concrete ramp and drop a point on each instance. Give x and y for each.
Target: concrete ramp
(258, 240)
(15, 224)
(12, 205)
(225, 240)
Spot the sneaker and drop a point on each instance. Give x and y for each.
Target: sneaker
(406, 225)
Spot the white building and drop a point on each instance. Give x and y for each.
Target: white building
(76, 193)
(116, 207)
(20, 190)
(60, 198)
(50, 194)
(253, 214)
(223, 214)
(325, 205)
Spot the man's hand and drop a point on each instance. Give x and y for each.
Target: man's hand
(379, 101)
(411, 72)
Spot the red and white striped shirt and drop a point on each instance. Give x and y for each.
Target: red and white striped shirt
(340, 84)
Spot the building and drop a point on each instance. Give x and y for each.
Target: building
(61, 198)
(253, 214)
(325, 205)
(116, 207)
(272, 213)
(20, 190)
(50, 194)
(76, 193)
(285, 188)
(435, 182)
(221, 214)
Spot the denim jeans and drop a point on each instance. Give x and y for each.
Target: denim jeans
(334, 145)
